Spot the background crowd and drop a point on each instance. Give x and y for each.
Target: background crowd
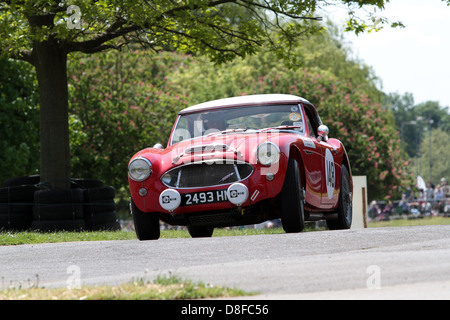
(431, 200)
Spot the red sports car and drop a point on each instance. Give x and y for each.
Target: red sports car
(239, 161)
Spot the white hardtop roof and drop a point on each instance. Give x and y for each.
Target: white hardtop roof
(249, 100)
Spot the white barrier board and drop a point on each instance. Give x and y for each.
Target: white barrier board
(360, 206)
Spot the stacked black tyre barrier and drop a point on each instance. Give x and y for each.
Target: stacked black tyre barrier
(16, 207)
(26, 204)
(58, 210)
(100, 209)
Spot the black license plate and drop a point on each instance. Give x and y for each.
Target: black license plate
(195, 198)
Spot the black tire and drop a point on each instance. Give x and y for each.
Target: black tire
(16, 207)
(345, 208)
(17, 221)
(292, 209)
(58, 196)
(58, 205)
(23, 193)
(146, 224)
(99, 218)
(57, 225)
(99, 206)
(34, 179)
(99, 199)
(100, 193)
(200, 231)
(86, 183)
(108, 226)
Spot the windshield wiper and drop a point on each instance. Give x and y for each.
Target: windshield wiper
(281, 127)
(226, 131)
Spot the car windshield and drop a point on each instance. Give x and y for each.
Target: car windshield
(238, 120)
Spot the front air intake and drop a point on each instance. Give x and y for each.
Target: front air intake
(201, 174)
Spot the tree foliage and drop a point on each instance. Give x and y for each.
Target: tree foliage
(348, 103)
(220, 29)
(412, 119)
(19, 119)
(347, 106)
(44, 33)
(119, 103)
(433, 160)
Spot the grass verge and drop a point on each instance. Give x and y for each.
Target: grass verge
(29, 237)
(422, 221)
(162, 288)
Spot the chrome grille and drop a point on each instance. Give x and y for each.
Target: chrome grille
(201, 174)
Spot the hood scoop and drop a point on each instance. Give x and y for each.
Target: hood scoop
(205, 148)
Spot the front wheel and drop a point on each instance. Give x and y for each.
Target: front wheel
(146, 224)
(292, 210)
(345, 209)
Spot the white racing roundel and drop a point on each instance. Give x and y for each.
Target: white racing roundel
(237, 193)
(330, 171)
(170, 199)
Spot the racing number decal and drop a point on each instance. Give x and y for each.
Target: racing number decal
(329, 173)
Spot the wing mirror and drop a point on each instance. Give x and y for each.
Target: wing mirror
(158, 146)
(322, 131)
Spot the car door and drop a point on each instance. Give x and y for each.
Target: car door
(312, 158)
(321, 165)
(330, 190)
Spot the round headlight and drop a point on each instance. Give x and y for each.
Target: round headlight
(268, 153)
(139, 169)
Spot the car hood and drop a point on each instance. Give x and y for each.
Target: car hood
(238, 146)
(230, 146)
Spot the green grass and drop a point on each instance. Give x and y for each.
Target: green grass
(425, 221)
(162, 288)
(29, 237)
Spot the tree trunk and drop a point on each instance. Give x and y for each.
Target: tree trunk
(51, 70)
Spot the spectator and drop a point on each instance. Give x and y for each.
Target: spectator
(387, 210)
(374, 210)
(430, 192)
(409, 194)
(445, 188)
(403, 204)
(438, 200)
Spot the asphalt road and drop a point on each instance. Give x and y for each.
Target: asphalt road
(386, 263)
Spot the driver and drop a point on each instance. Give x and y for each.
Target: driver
(216, 124)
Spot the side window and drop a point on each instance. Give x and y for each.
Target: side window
(182, 131)
(310, 127)
(310, 122)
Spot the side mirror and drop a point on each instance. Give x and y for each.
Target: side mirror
(158, 146)
(322, 131)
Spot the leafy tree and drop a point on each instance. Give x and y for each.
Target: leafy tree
(120, 102)
(438, 153)
(45, 32)
(412, 119)
(19, 124)
(352, 114)
(432, 110)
